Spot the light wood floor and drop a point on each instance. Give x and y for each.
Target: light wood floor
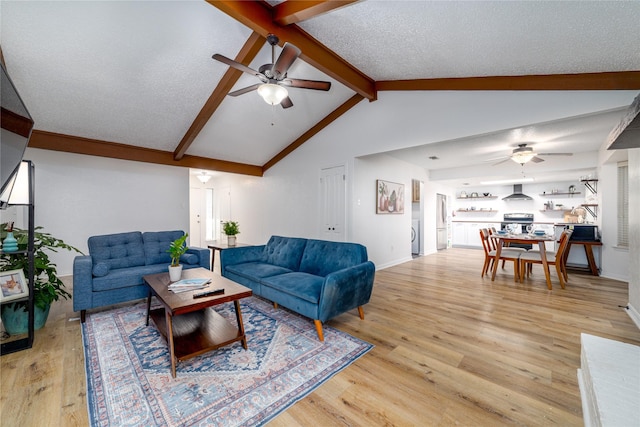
(451, 348)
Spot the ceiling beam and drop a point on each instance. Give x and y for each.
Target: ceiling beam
(294, 11)
(258, 17)
(73, 144)
(351, 102)
(617, 80)
(249, 51)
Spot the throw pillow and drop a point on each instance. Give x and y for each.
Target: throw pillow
(100, 269)
(190, 259)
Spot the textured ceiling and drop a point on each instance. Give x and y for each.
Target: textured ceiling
(139, 72)
(430, 39)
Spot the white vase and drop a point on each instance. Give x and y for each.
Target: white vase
(175, 273)
(231, 240)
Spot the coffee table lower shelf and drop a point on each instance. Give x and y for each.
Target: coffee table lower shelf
(197, 332)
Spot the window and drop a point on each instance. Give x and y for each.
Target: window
(623, 204)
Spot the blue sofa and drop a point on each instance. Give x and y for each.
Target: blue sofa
(316, 278)
(113, 270)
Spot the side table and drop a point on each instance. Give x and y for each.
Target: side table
(219, 245)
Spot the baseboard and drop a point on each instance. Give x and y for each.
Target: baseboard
(392, 263)
(633, 314)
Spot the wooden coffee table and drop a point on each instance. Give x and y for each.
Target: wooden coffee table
(190, 326)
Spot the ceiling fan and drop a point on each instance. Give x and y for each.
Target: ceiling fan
(524, 154)
(273, 76)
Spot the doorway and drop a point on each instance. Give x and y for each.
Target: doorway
(441, 221)
(416, 218)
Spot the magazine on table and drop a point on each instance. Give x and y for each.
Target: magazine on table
(188, 285)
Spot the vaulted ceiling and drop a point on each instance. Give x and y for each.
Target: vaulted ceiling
(136, 80)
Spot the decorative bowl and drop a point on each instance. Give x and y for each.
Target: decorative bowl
(501, 232)
(486, 194)
(539, 232)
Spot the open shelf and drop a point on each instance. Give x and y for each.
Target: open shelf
(476, 210)
(476, 198)
(559, 194)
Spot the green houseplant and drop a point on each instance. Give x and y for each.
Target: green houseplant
(47, 286)
(177, 248)
(231, 228)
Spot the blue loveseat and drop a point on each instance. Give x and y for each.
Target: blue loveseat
(316, 278)
(113, 270)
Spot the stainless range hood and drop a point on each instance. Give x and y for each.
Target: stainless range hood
(517, 194)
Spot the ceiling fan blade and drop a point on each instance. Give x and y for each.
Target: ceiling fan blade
(555, 154)
(239, 66)
(245, 90)
(537, 160)
(286, 103)
(307, 84)
(502, 161)
(288, 55)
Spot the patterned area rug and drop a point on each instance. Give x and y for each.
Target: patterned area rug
(129, 380)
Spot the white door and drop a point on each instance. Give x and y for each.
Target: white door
(333, 184)
(196, 220)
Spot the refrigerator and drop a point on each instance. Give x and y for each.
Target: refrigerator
(441, 221)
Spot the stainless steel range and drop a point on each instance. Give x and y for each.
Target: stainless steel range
(522, 219)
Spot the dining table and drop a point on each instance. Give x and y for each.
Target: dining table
(526, 238)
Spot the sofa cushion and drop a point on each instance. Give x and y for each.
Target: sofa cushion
(156, 244)
(285, 251)
(301, 285)
(119, 250)
(190, 259)
(322, 257)
(100, 269)
(126, 277)
(256, 270)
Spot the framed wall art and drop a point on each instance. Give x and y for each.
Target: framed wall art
(389, 197)
(13, 285)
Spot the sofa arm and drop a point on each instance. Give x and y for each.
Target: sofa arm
(82, 282)
(240, 255)
(204, 255)
(346, 289)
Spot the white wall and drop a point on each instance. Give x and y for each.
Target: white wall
(386, 236)
(78, 196)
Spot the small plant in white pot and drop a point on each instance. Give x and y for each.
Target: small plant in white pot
(177, 248)
(231, 228)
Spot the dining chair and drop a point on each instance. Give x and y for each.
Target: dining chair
(494, 243)
(556, 259)
(506, 254)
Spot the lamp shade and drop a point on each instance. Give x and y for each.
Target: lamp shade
(204, 177)
(523, 157)
(17, 191)
(272, 93)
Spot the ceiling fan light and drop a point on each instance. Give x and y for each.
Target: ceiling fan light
(204, 177)
(272, 93)
(523, 157)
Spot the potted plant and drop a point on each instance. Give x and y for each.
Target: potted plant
(177, 248)
(231, 228)
(47, 286)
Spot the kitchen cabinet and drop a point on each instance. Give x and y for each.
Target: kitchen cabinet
(467, 234)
